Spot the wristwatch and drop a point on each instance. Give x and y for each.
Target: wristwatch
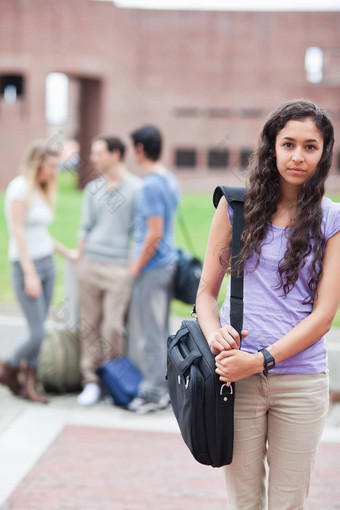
(269, 361)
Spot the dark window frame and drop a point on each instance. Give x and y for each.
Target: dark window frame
(218, 159)
(186, 158)
(17, 80)
(245, 155)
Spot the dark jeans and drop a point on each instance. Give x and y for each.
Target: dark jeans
(35, 309)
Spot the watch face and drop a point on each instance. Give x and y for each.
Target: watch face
(269, 361)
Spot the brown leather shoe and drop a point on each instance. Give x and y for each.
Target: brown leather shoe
(9, 377)
(29, 390)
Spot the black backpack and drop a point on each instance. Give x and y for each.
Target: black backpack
(202, 404)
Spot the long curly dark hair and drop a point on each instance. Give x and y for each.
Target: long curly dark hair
(263, 193)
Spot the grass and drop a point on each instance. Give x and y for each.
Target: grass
(196, 208)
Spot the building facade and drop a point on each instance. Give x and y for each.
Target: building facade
(207, 79)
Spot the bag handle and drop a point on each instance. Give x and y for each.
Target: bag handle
(235, 197)
(183, 362)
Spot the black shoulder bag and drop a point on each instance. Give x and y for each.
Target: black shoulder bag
(202, 404)
(188, 268)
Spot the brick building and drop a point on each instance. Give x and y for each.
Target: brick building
(207, 79)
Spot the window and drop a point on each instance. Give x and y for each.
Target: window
(219, 113)
(218, 158)
(185, 158)
(11, 87)
(56, 110)
(245, 157)
(187, 112)
(314, 64)
(253, 113)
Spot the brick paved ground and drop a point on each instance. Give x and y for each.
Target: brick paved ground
(325, 488)
(99, 469)
(89, 468)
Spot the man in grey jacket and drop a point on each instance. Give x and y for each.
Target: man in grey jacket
(102, 271)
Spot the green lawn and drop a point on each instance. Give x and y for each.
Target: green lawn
(196, 208)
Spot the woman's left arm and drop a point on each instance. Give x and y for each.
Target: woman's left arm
(72, 255)
(325, 306)
(235, 365)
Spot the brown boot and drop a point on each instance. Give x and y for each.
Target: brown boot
(9, 377)
(29, 390)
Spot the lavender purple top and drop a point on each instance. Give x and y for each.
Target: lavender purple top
(268, 315)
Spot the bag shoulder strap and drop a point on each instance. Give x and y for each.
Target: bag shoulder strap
(185, 232)
(232, 195)
(235, 197)
(181, 222)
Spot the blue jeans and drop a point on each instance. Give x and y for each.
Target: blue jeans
(35, 309)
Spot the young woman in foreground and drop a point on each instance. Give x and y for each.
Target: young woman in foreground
(290, 255)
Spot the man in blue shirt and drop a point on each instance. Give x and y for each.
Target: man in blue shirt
(153, 267)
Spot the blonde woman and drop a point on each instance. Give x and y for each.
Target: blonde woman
(29, 203)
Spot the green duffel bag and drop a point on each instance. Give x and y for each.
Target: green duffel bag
(59, 361)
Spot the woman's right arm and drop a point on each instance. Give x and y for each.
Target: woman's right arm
(219, 339)
(32, 282)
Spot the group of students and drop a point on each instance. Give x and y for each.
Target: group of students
(117, 207)
(290, 258)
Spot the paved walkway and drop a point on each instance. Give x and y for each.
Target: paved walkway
(61, 457)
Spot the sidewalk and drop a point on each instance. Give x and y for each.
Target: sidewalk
(61, 456)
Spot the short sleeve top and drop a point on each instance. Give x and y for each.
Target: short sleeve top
(159, 197)
(268, 315)
(38, 217)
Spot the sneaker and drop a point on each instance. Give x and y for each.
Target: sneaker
(90, 395)
(143, 405)
(109, 400)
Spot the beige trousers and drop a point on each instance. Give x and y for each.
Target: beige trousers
(104, 294)
(280, 419)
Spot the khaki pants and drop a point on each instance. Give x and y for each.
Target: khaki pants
(280, 417)
(104, 293)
